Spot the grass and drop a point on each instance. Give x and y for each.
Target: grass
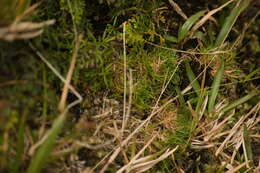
(134, 86)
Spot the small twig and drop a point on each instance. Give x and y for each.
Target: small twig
(178, 9)
(73, 90)
(125, 69)
(64, 95)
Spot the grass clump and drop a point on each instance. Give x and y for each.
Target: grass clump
(136, 86)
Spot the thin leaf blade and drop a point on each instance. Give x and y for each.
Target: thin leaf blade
(194, 82)
(215, 86)
(183, 31)
(230, 21)
(39, 160)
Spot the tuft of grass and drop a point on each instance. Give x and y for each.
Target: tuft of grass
(141, 110)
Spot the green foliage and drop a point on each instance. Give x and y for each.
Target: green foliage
(96, 66)
(150, 70)
(143, 94)
(215, 86)
(182, 135)
(75, 7)
(139, 29)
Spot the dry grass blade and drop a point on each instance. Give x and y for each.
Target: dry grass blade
(24, 30)
(227, 143)
(64, 95)
(215, 52)
(126, 167)
(145, 163)
(40, 142)
(237, 168)
(178, 9)
(27, 12)
(235, 128)
(125, 142)
(25, 26)
(49, 138)
(216, 128)
(125, 68)
(130, 96)
(49, 65)
(203, 108)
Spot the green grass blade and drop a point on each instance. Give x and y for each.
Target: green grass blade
(230, 20)
(250, 75)
(20, 144)
(42, 154)
(171, 38)
(201, 98)
(194, 82)
(180, 96)
(183, 31)
(215, 86)
(247, 143)
(238, 102)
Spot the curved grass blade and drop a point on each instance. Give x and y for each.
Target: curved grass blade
(183, 31)
(230, 20)
(194, 82)
(171, 38)
(247, 143)
(180, 96)
(253, 73)
(215, 86)
(39, 160)
(238, 102)
(20, 144)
